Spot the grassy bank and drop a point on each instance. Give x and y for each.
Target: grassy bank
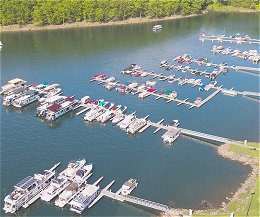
(229, 8)
(246, 199)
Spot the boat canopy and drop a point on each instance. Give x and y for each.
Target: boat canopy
(69, 99)
(54, 107)
(152, 90)
(167, 92)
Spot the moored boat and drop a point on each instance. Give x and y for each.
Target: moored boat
(12, 85)
(171, 135)
(30, 97)
(84, 198)
(127, 121)
(128, 186)
(136, 125)
(28, 190)
(57, 110)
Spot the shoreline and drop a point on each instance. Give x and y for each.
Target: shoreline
(247, 186)
(33, 27)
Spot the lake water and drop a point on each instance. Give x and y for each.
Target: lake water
(181, 175)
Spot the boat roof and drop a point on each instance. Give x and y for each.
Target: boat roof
(66, 103)
(69, 99)
(129, 182)
(172, 132)
(26, 183)
(90, 190)
(72, 186)
(25, 97)
(52, 86)
(58, 180)
(54, 107)
(54, 98)
(20, 89)
(80, 172)
(16, 80)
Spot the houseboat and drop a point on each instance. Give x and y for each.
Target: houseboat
(171, 135)
(57, 110)
(128, 186)
(12, 85)
(30, 97)
(28, 190)
(84, 198)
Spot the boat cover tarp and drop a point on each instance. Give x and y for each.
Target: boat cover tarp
(54, 107)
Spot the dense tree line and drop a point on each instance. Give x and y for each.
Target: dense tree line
(46, 12)
(240, 3)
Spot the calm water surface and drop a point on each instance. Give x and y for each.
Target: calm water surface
(181, 175)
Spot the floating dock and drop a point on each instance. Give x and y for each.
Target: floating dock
(170, 99)
(231, 39)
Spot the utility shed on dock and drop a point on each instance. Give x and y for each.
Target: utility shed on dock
(171, 135)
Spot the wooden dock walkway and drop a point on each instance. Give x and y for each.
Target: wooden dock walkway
(210, 96)
(162, 96)
(192, 133)
(137, 201)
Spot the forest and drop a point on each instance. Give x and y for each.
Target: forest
(54, 12)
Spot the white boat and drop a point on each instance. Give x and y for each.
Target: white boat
(1, 45)
(117, 118)
(143, 94)
(110, 86)
(59, 183)
(50, 91)
(127, 121)
(27, 99)
(57, 110)
(198, 101)
(163, 62)
(73, 167)
(144, 74)
(28, 190)
(150, 83)
(171, 135)
(94, 113)
(68, 193)
(12, 85)
(173, 94)
(84, 198)
(56, 186)
(133, 85)
(108, 114)
(157, 27)
(110, 79)
(136, 125)
(128, 186)
(43, 108)
(8, 100)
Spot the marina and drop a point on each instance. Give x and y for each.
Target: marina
(70, 57)
(84, 197)
(145, 92)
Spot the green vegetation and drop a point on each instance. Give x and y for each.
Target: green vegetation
(52, 12)
(255, 203)
(234, 5)
(250, 194)
(249, 152)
